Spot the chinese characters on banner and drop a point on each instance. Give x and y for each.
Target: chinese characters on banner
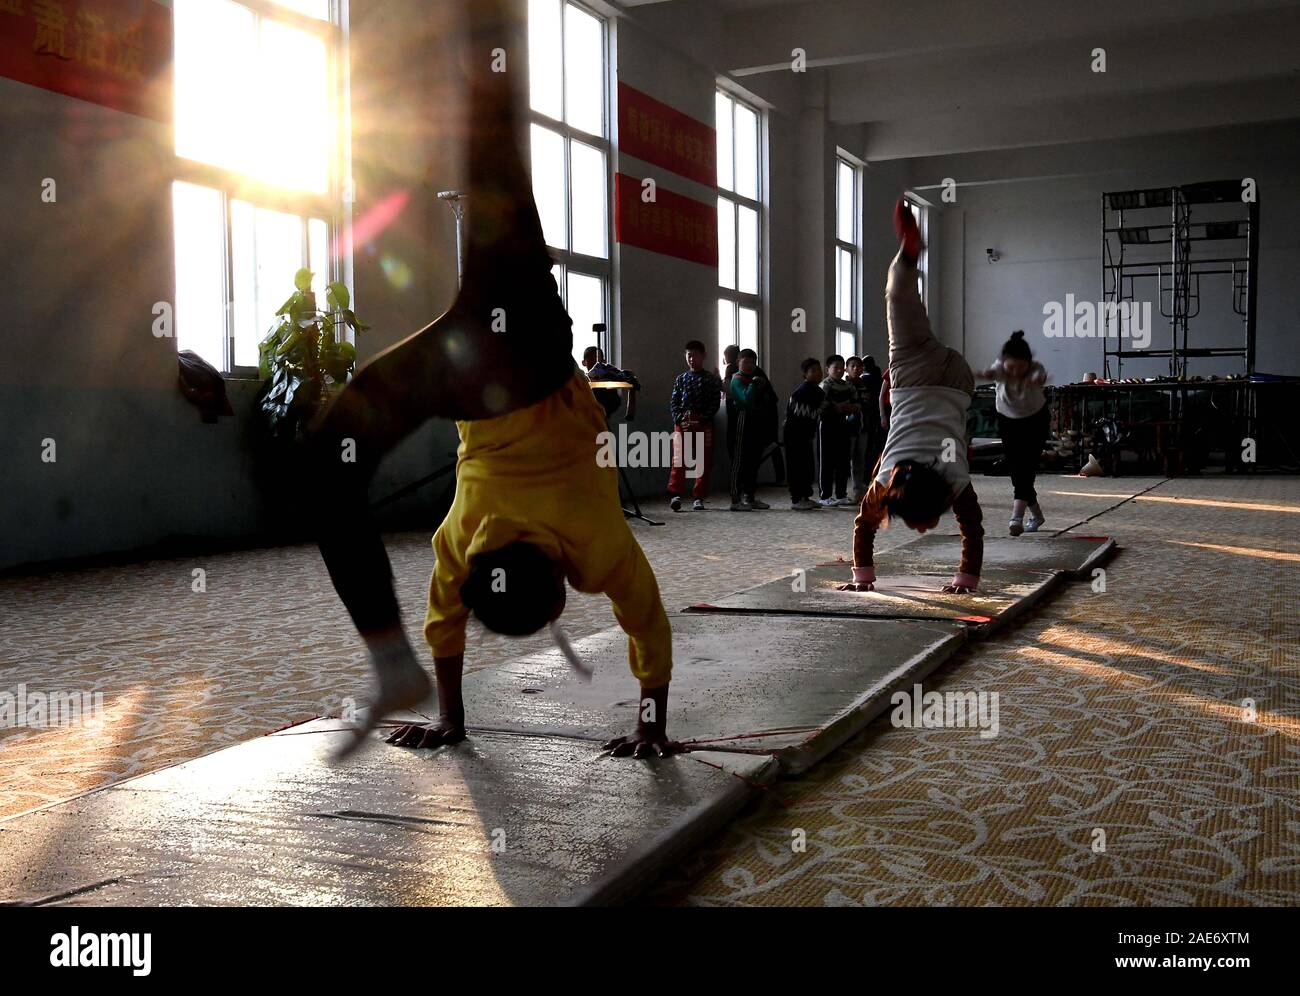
(670, 224)
(666, 137)
(112, 52)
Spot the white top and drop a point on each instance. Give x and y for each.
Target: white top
(927, 424)
(1020, 397)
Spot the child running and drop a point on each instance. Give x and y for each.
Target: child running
(1023, 422)
(924, 469)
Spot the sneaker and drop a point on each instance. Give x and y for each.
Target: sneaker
(846, 502)
(826, 502)
(1016, 527)
(803, 505)
(1035, 519)
(754, 502)
(741, 506)
(675, 503)
(698, 505)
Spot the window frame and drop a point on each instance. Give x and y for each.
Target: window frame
(232, 185)
(921, 212)
(853, 324)
(567, 259)
(737, 298)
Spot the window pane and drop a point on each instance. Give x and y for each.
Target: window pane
(548, 184)
(726, 243)
(726, 325)
(239, 90)
(844, 191)
(846, 343)
(292, 97)
(586, 306)
(267, 253)
(746, 152)
(723, 110)
(843, 284)
(215, 43)
(584, 70)
(312, 8)
(589, 200)
(200, 272)
(318, 258)
(545, 79)
(747, 329)
(747, 250)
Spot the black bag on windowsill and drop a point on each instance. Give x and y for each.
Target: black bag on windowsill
(203, 385)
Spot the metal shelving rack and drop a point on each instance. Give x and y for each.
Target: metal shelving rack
(1136, 246)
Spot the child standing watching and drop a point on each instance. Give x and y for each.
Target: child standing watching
(924, 469)
(863, 424)
(1023, 419)
(697, 395)
(746, 394)
(841, 402)
(801, 415)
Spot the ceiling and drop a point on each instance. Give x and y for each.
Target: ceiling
(929, 76)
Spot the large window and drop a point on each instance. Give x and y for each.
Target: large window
(258, 175)
(740, 270)
(847, 258)
(567, 73)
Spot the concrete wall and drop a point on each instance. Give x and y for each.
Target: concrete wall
(135, 466)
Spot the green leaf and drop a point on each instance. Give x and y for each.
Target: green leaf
(302, 279)
(288, 303)
(338, 295)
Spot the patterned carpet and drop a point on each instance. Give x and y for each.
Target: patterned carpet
(1120, 711)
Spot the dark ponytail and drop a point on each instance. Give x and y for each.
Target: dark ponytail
(1016, 348)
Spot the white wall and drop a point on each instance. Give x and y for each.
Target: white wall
(1043, 215)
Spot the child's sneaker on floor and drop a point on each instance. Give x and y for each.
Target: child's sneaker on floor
(741, 506)
(1035, 519)
(675, 503)
(754, 502)
(804, 505)
(1016, 526)
(845, 501)
(826, 502)
(698, 505)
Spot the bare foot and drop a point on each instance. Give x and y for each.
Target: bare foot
(440, 734)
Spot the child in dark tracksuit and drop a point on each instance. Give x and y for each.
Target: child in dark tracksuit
(834, 443)
(802, 414)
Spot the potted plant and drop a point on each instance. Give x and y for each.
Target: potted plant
(302, 360)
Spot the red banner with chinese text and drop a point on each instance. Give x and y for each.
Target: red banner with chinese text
(670, 224)
(666, 137)
(112, 52)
